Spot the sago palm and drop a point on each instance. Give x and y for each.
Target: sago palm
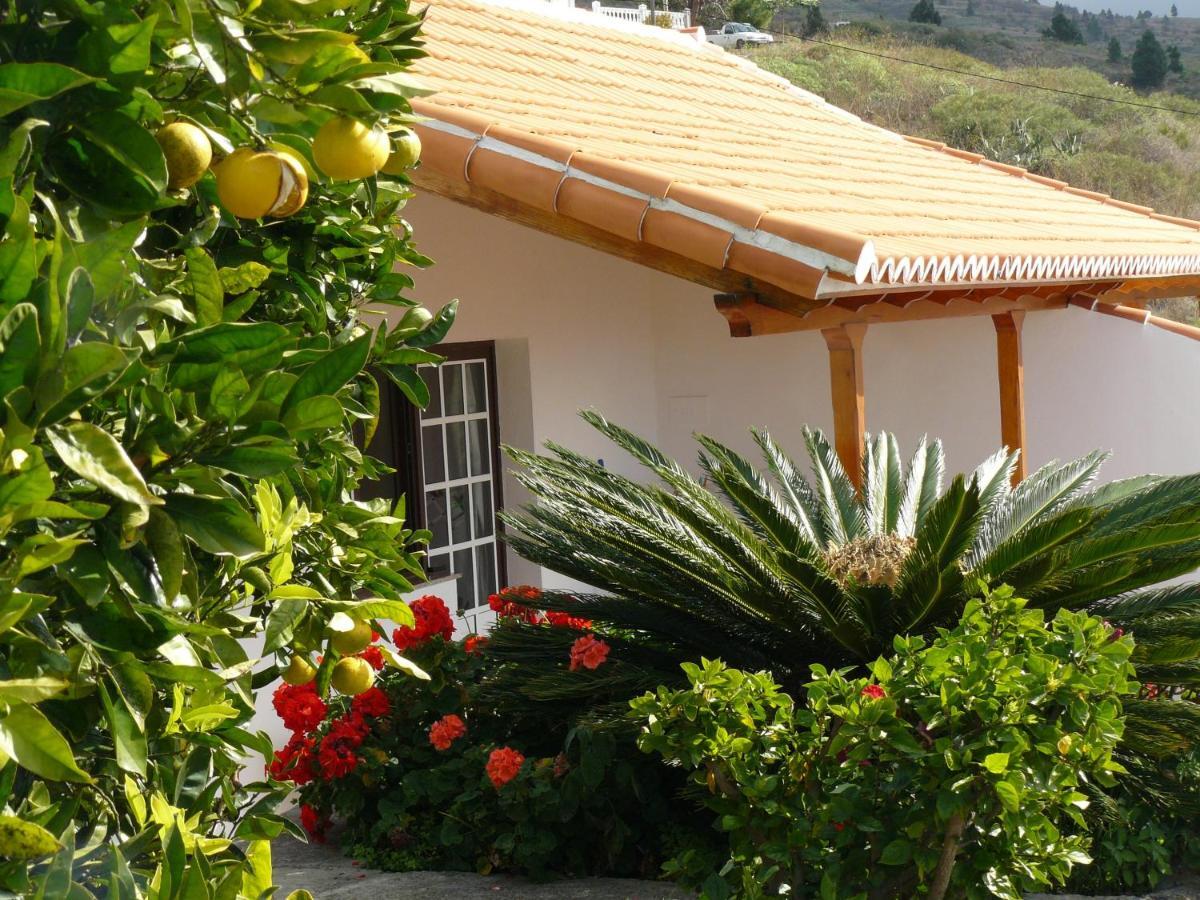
(770, 569)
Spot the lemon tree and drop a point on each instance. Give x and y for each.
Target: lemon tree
(196, 226)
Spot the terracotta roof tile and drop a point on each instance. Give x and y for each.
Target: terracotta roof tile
(664, 124)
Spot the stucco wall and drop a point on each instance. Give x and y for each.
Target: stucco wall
(649, 351)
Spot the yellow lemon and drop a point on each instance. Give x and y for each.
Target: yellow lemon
(187, 151)
(299, 671)
(352, 676)
(252, 184)
(347, 643)
(281, 147)
(405, 152)
(345, 148)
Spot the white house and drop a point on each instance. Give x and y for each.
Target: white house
(647, 225)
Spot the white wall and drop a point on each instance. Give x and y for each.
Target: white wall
(651, 352)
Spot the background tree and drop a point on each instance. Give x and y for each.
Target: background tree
(1063, 28)
(925, 12)
(970, 7)
(1114, 50)
(178, 390)
(814, 21)
(1149, 62)
(1174, 10)
(1174, 62)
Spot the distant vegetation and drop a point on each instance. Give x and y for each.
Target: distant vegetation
(1144, 156)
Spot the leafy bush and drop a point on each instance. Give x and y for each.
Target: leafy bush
(178, 389)
(947, 771)
(426, 775)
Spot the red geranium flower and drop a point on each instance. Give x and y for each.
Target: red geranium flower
(874, 691)
(432, 619)
(475, 643)
(566, 620)
(337, 756)
(446, 730)
(300, 707)
(295, 762)
(588, 652)
(503, 765)
(315, 823)
(372, 702)
(374, 657)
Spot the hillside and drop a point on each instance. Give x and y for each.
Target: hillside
(1145, 156)
(1008, 33)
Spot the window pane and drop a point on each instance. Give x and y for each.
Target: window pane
(460, 514)
(481, 451)
(452, 388)
(435, 513)
(431, 454)
(464, 567)
(476, 388)
(481, 503)
(456, 450)
(485, 565)
(437, 565)
(434, 409)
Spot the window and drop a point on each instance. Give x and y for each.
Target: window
(447, 456)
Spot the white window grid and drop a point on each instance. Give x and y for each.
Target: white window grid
(451, 547)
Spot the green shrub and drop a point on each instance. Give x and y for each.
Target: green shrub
(178, 391)
(415, 794)
(949, 770)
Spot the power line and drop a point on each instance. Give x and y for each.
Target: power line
(1035, 87)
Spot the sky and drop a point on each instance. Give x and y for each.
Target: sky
(1129, 7)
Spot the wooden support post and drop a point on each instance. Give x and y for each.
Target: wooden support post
(849, 402)
(1011, 370)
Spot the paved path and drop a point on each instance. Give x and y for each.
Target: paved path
(328, 875)
(323, 870)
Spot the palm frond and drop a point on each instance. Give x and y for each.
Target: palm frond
(922, 486)
(840, 508)
(1129, 607)
(994, 477)
(794, 486)
(1166, 501)
(1014, 560)
(882, 483)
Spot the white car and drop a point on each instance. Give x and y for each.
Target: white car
(739, 35)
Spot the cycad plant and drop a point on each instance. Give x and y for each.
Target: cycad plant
(770, 569)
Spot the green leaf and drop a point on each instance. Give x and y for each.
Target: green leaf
(217, 524)
(281, 623)
(21, 840)
(996, 763)
(239, 279)
(28, 737)
(229, 390)
(86, 371)
(20, 345)
(314, 414)
(1010, 797)
(205, 285)
(376, 608)
(25, 83)
(402, 663)
(94, 454)
(435, 331)
(896, 853)
(329, 373)
(112, 162)
(128, 740)
(166, 544)
(118, 49)
(18, 255)
(31, 690)
(107, 257)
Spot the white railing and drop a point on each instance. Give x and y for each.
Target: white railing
(642, 14)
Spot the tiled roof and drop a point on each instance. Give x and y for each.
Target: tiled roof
(654, 137)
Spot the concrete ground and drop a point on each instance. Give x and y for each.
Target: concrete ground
(323, 871)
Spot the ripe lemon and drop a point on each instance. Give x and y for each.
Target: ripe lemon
(299, 671)
(347, 643)
(405, 152)
(187, 151)
(252, 183)
(346, 149)
(352, 676)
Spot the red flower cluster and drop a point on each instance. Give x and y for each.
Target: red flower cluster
(503, 765)
(315, 823)
(446, 730)
(373, 657)
(300, 707)
(588, 652)
(475, 643)
(295, 762)
(337, 756)
(371, 703)
(874, 692)
(505, 604)
(432, 619)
